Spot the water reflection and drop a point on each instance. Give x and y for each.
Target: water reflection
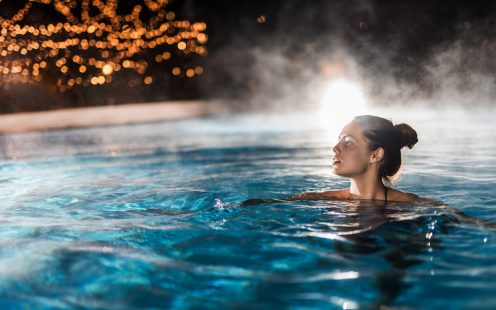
(395, 235)
(380, 244)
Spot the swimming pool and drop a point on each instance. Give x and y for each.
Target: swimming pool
(148, 216)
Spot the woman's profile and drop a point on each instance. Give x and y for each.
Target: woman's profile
(368, 152)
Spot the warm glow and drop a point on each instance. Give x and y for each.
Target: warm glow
(341, 100)
(181, 45)
(170, 15)
(107, 69)
(190, 73)
(176, 71)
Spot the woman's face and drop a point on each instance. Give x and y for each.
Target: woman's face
(351, 153)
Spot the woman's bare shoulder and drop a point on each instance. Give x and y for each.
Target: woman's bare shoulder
(334, 194)
(338, 193)
(396, 195)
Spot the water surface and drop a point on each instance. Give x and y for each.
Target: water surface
(148, 216)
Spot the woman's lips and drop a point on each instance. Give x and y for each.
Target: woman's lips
(336, 161)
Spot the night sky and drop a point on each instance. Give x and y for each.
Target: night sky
(255, 46)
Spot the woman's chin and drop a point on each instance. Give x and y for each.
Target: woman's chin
(336, 171)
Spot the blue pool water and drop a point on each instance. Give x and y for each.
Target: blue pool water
(148, 216)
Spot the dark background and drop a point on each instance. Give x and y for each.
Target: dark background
(419, 48)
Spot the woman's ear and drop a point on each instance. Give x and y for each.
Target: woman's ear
(377, 155)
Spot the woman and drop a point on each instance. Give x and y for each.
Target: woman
(368, 153)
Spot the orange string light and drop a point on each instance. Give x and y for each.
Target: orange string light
(95, 42)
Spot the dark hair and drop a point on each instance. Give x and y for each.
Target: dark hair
(380, 132)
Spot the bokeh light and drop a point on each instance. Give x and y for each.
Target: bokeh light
(90, 41)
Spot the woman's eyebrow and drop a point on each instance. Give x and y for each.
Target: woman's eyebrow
(344, 136)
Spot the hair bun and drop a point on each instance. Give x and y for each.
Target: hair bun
(408, 136)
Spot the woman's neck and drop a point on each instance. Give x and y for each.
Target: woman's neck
(365, 189)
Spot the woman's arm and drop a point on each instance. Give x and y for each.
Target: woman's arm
(257, 201)
(329, 195)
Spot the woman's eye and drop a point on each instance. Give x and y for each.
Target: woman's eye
(347, 141)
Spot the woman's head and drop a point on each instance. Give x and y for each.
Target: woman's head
(370, 139)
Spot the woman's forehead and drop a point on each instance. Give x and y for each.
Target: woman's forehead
(352, 129)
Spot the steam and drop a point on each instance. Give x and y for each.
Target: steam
(410, 62)
(282, 54)
(463, 75)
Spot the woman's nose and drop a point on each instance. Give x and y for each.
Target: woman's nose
(335, 148)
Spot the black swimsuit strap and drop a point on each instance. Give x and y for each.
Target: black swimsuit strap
(385, 195)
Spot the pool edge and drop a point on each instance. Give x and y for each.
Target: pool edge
(106, 115)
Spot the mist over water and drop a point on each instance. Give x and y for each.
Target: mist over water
(430, 53)
(284, 54)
